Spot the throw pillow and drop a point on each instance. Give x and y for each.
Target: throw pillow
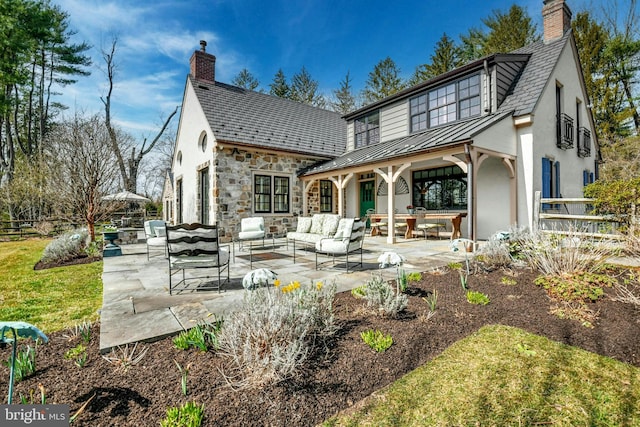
(330, 225)
(304, 224)
(316, 224)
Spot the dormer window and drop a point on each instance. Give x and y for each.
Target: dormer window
(446, 104)
(367, 130)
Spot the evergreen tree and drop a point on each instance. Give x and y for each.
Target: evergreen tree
(509, 31)
(345, 100)
(245, 80)
(305, 89)
(279, 86)
(383, 81)
(445, 58)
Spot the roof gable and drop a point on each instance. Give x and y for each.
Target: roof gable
(237, 115)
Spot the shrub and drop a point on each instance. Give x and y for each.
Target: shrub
(190, 414)
(563, 254)
(380, 294)
(477, 298)
(275, 329)
(615, 198)
(580, 287)
(66, 247)
(203, 336)
(377, 340)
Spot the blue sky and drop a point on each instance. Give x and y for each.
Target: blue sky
(329, 38)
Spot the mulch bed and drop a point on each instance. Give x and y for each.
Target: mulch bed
(337, 377)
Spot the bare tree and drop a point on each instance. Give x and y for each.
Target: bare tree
(129, 166)
(84, 172)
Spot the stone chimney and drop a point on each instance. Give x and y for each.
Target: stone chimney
(557, 19)
(203, 64)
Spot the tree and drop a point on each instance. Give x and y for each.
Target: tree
(37, 59)
(279, 86)
(305, 89)
(345, 100)
(129, 169)
(245, 80)
(383, 81)
(509, 31)
(84, 172)
(506, 32)
(446, 57)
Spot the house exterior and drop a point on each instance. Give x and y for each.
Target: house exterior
(481, 139)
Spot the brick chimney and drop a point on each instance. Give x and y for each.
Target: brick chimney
(203, 64)
(557, 19)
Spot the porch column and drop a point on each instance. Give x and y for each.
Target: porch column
(390, 178)
(470, 155)
(341, 182)
(305, 195)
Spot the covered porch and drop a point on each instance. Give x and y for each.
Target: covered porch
(446, 170)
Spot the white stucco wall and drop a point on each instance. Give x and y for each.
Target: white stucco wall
(192, 124)
(493, 198)
(539, 140)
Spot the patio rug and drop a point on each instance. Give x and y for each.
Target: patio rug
(265, 256)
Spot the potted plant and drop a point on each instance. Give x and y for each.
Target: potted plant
(410, 209)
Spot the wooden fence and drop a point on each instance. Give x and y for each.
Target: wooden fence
(21, 229)
(574, 216)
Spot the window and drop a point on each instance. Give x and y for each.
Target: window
(457, 100)
(440, 188)
(202, 143)
(418, 106)
(564, 123)
(367, 130)
(326, 196)
(204, 196)
(271, 194)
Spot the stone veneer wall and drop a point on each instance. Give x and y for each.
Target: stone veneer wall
(233, 189)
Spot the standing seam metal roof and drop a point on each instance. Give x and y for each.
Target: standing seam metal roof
(431, 139)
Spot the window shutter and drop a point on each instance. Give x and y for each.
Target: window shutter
(546, 181)
(585, 178)
(557, 192)
(591, 177)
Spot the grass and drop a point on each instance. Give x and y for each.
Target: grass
(51, 299)
(505, 376)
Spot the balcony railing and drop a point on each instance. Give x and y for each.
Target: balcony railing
(584, 142)
(564, 132)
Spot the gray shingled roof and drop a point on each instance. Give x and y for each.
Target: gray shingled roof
(245, 117)
(528, 89)
(412, 144)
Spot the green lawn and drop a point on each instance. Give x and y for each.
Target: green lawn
(503, 376)
(51, 299)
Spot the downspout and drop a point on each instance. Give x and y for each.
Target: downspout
(488, 92)
(470, 195)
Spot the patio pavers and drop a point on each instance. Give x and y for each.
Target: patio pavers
(137, 305)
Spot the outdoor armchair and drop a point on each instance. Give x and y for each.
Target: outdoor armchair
(155, 232)
(348, 240)
(196, 246)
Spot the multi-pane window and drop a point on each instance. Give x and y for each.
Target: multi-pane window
(367, 130)
(440, 188)
(418, 107)
(445, 104)
(271, 194)
(442, 105)
(326, 196)
(469, 96)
